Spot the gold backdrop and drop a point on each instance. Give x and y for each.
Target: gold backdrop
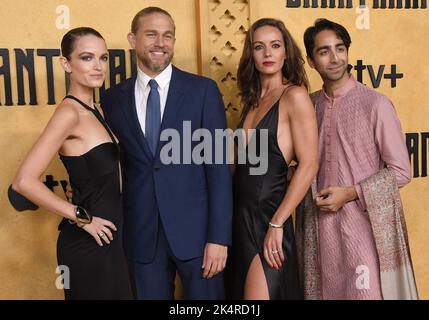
(210, 35)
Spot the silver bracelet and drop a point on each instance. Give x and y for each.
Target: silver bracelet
(272, 225)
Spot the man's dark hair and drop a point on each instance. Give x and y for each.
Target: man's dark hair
(321, 25)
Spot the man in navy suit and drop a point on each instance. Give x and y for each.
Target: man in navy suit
(177, 217)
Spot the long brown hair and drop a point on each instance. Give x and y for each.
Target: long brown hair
(248, 79)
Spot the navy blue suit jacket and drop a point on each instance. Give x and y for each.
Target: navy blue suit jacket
(194, 201)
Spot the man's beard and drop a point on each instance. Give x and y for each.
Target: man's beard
(155, 67)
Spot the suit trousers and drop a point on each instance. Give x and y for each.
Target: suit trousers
(156, 280)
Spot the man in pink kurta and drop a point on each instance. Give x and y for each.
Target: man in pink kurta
(359, 135)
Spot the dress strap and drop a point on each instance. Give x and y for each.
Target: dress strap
(286, 89)
(96, 113)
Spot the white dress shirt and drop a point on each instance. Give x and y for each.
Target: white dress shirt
(142, 89)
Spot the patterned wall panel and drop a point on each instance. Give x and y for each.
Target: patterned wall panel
(223, 25)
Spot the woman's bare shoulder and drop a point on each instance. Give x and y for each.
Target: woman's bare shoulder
(295, 97)
(293, 92)
(66, 112)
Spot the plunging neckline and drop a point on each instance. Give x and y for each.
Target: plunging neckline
(247, 139)
(275, 105)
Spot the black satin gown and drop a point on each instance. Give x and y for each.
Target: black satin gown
(256, 199)
(95, 272)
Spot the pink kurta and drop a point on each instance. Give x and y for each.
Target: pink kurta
(359, 134)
